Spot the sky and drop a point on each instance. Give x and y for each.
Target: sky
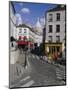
(28, 13)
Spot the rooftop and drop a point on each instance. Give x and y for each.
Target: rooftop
(58, 8)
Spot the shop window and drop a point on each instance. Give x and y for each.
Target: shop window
(58, 49)
(53, 49)
(50, 49)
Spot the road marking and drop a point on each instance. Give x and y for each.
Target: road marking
(58, 74)
(28, 84)
(59, 77)
(33, 56)
(25, 78)
(40, 60)
(27, 61)
(37, 57)
(62, 82)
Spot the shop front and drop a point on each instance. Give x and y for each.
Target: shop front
(53, 50)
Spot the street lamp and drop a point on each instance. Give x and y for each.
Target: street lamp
(25, 63)
(43, 41)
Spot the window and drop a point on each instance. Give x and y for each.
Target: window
(50, 28)
(50, 17)
(57, 28)
(58, 17)
(20, 30)
(24, 30)
(57, 38)
(50, 38)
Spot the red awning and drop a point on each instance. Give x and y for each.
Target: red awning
(22, 43)
(25, 43)
(30, 43)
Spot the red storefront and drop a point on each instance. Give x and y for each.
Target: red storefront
(23, 42)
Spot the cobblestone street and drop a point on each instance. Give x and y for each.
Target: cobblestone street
(36, 73)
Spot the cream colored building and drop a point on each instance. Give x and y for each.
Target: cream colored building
(56, 24)
(31, 34)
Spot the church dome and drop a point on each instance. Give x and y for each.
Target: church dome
(38, 27)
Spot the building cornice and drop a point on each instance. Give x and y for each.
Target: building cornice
(57, 8)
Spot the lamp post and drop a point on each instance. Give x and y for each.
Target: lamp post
(43, 41)
(25, 63)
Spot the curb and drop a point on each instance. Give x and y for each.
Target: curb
(53, 63)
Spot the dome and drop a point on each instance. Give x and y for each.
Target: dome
(38, 23)
(38, 26)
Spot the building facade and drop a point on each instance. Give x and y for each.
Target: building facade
(12, 20)
(55, 24)
(26, 31)
(22, 31)
(12, 26)
(56, 29)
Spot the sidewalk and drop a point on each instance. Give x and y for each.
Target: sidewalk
(17, 61)
(14, 54)
(52, 62)
(16, 57)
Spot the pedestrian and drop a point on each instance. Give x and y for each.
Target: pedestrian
(45, 58)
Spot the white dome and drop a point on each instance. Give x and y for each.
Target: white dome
(38, 26)
(38, 23)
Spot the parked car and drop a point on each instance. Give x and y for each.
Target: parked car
(61, 61)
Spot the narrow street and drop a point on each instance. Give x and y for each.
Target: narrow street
(39, 73)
